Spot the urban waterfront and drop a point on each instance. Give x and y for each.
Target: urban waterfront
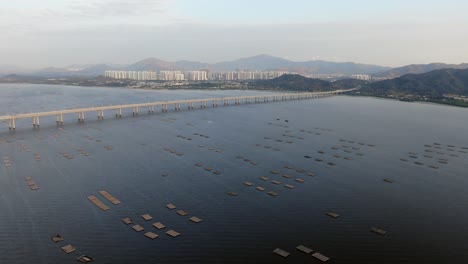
(370, 159)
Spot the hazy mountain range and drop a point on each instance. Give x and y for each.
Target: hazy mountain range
(260, 62)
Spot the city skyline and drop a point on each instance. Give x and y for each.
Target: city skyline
(396, 33)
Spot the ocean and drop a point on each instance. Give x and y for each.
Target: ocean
(396, 166)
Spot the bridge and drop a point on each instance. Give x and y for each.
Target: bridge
(164, 105)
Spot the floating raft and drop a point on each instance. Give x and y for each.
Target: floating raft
(98, 203)
(233, 193)
(68, 249)
(159, 225)
(289, 186)
(170, 206)
(127, 221)
(264, 178)
(276, 182)
(272, 193)
(151, 235)
(378, 231)
(195, 219)
(332, 214)
(57, 238)
(138, 228)
(147, 217)
(84, 259)
(274, 172)
(281, 252)
(320, 257)
(287, 176)
(182, 213)
(173, 233)
(109, 197)
(260, 188)
(304, 249)
(300, 180)
(248, 183)
(311, 174)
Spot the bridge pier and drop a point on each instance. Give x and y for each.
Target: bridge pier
(151, 109)
(59, 119)
(118, 112)
(12, 124)
(81, 117)
(36, 122)
(164, 108)
(135, 111)
(100, 114)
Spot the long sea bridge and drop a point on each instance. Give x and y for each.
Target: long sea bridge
(164, 106)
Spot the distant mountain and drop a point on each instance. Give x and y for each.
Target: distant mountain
(6, 69)
(417, 69)
(295, 82)
(267, 62)
(97, 69)
(152, 64)
(74, 71)
(260, 62)
(434, 84)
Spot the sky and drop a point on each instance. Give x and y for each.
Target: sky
(391, 33)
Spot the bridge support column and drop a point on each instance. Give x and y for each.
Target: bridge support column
(12, 124)
(118, 112)
(135, 111)
(100, 114)
(81, 117)
(36, 122)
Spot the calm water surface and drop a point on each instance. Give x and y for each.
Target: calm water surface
(424, 210)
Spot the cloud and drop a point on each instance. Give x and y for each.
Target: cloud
(118, 8)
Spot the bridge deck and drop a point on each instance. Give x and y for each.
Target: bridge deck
(177, 103)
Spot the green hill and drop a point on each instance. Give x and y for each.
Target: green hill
(436, 83)
(294, 82)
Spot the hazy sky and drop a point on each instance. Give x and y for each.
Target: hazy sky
(393, 33)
